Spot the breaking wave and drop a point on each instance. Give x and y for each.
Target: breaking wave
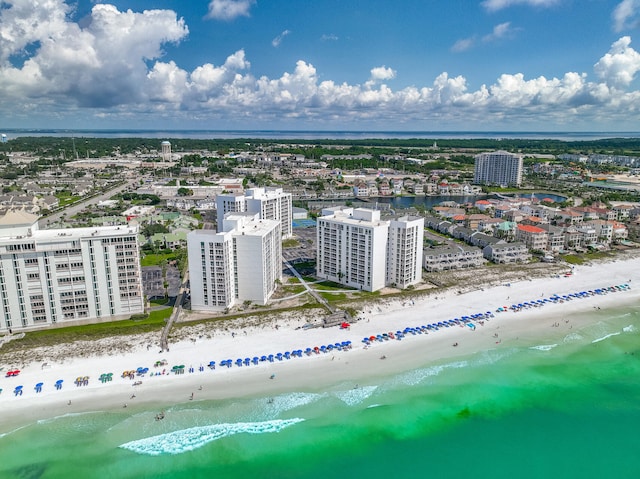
(186, 440)
(605, 337)
(544, 347)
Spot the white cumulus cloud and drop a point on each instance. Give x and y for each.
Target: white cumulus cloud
(113, 67)
(102, 64)
(626, 15)
(229, 9)
(382, 73)
(494, 5)
(618, 67)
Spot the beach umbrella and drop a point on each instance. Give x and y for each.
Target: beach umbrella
(263, 358)
(255, 360)
(271, 358)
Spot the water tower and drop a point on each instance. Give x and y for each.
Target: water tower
(166, 151)
(3, 138)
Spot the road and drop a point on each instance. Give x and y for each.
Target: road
(77, 207)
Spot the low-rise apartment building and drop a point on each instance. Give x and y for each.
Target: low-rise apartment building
(448, 257)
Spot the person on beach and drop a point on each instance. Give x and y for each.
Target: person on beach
(191, 398)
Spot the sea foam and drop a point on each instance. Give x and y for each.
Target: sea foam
(605, 337)
(544, 347)
(629, 329)
(287, 402)
(355, 396)
(185, 440)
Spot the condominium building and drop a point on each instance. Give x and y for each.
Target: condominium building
(229, 203)
(404, 251)
(453, 256)
(498, 167)
(66, 276)
(357, 249)
(506, 253)
(269, 203)
(241, 263)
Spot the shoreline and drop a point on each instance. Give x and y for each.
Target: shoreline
(359, 365)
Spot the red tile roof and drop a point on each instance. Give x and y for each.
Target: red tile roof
(531, 229)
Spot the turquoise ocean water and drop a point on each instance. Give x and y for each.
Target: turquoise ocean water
(568, 408)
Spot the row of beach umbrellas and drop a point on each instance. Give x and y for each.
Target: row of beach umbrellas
(343, 345)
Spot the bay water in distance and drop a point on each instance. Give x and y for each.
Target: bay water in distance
(316, 134)
(566, 408)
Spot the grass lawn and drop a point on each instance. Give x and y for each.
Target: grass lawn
(290, 243)
(66, 199)
(50, 337)
(156, 259)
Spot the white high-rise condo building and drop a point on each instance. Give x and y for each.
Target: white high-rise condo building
(356, 248)
(499, 168)
(404, 251)
(66, 276)
(241, 263)
(269, 203)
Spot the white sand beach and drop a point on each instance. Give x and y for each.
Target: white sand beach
(314, 372)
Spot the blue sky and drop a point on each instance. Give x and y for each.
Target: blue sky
(517, 65)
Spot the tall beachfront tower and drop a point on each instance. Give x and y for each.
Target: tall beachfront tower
(166, 151)
(229, 203)
(351, 247)
(66, 276)
(404, 251)
(272, 204)
(499, 168)
(269, 203)
(241, 263)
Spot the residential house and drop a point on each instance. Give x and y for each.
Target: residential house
(555, 238)
(533, 237)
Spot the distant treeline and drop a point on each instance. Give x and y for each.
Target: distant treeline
(82, 147)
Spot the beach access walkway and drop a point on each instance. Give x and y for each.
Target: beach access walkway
(164, 338)
(311, 291)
